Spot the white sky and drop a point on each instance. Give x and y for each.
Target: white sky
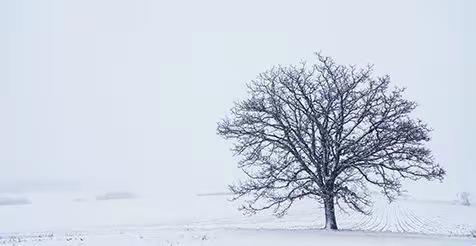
(126, 94)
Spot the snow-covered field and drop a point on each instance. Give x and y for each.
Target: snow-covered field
(212, 220)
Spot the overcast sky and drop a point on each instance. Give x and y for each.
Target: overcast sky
(126, 94)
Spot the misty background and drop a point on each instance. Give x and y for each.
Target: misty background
(118, 95)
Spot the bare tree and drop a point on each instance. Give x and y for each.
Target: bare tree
(463, 198)
(325, 131)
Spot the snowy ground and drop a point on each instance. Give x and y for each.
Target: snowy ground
(167, 236)
(212, 220)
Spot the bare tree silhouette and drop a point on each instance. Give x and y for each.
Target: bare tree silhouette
(325, 131)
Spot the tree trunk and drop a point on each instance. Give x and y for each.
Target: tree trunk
(331, 223)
